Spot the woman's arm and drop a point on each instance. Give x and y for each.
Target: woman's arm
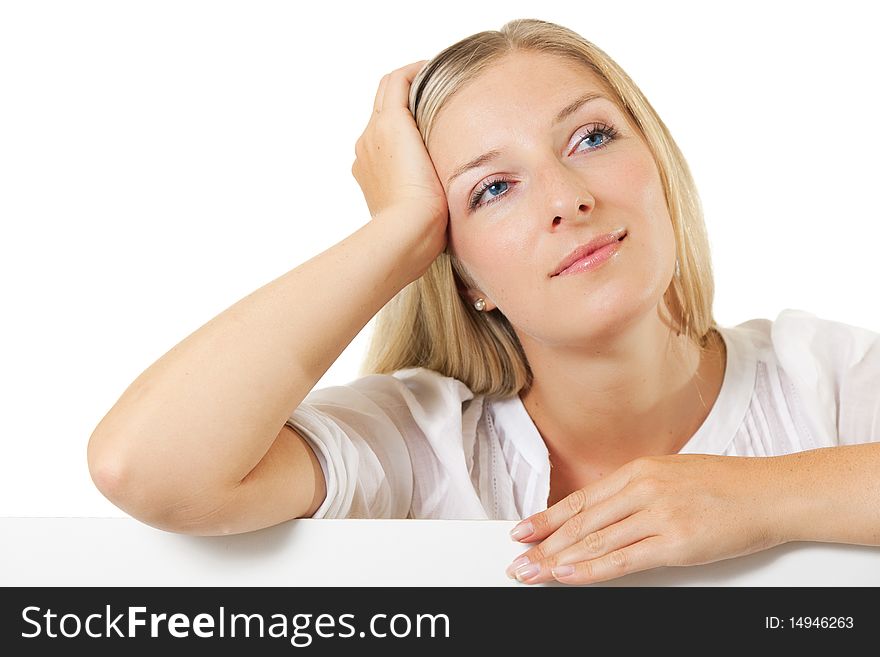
(830, 494)
(199, 419)
(178, 445)
(688, 509)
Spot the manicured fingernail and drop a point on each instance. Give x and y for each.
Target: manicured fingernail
(517, 563)
(521, 531)
(529, 570)
(562, 571)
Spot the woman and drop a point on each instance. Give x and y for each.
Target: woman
(545, 349)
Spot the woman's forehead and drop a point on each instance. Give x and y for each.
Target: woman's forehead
(512, 89)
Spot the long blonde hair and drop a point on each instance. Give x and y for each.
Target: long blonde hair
(430, 324)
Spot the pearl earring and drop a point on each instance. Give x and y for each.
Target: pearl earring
(677, 268)
(479, 304)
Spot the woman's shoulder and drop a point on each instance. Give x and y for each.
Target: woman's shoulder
(796, 322)
(831, 366)
(414, 386)
(797, 334)
(810, 349)
(800, 332)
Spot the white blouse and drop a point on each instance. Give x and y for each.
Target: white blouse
(417, 444)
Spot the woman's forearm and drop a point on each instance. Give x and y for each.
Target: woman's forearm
(200, 418)
(830, 494)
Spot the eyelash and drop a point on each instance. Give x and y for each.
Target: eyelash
(608, 130)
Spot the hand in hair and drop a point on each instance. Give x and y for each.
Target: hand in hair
(393, 167)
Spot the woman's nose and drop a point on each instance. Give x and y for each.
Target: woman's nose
(565, 193)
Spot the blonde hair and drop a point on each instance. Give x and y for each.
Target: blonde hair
(429, 324)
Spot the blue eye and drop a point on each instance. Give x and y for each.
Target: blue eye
(609, 132)
(486, 187)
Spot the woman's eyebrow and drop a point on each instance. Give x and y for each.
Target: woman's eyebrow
(575, 105)
(488, 156)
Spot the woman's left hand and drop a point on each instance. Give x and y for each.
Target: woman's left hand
(673, 510)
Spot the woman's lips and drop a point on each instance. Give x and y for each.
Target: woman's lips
(588, 248)
(594, 260)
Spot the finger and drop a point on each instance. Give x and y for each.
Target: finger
(539, 526)
(535, 565)
(593, 532)
(394, 88)
(642, 555)
(380, 92)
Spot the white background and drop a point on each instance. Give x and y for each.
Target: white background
(161, 160)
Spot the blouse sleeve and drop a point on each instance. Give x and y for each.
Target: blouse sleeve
(363, 434)
(838, 366)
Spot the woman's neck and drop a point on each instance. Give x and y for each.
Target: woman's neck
(599, 409)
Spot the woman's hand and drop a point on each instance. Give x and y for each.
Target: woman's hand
(675, 510)
(392, 165)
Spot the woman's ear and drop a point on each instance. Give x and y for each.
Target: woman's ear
(470, 294)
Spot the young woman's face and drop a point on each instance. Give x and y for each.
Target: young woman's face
(554, 187)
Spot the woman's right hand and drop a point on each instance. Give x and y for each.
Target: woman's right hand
(392, 165)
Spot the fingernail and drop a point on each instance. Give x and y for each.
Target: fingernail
(517, 563)
(522, 530)
(529, 570)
